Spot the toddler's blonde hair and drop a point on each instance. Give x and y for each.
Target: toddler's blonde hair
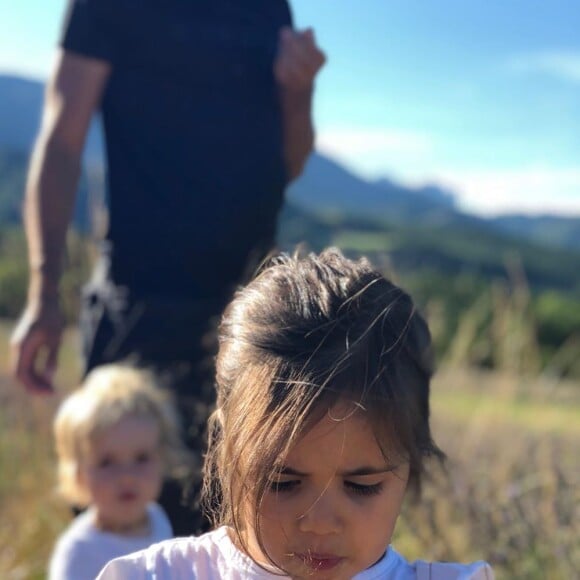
(108, 394)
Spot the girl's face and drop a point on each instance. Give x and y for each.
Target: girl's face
(332, 511)
(122, 473)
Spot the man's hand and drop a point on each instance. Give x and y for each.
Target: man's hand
(295, 68)
(35, 344)
(73, 94)
(299, 60)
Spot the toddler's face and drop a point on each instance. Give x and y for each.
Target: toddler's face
(332, 511)
(122, 473)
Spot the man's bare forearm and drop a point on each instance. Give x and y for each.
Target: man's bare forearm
(49, 202)
(298, 129)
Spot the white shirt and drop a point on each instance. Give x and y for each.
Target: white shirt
(214, 556)
(82, 550)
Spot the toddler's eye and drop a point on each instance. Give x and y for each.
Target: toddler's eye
(364, 490)
(282, 486)
(143, 458)
(105, 463)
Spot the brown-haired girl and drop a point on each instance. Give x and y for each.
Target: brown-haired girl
(321, 426)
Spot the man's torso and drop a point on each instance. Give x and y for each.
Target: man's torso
(193, 135)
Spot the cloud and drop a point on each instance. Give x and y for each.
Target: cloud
(411, 157)
(530, 190)
(350, 144)
(562, 64)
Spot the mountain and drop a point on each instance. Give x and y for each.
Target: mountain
(326, 188)
(20, 111)
(20, 106)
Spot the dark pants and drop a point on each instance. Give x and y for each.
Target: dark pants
(176, 338)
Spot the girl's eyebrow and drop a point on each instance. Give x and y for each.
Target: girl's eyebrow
(359, 472)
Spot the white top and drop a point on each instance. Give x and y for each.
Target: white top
(82, 550)
(214, 556)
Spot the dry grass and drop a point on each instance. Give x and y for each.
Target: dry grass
(510, 496)
(511, 490)
(30, 514)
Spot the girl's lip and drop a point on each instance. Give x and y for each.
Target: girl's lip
(320, 561)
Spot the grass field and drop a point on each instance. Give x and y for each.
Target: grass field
(510, 492)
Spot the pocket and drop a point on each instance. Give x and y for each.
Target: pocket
(99, 328)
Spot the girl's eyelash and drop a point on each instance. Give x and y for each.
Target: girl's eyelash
(355, 488)
(282, 486)
(364, 490)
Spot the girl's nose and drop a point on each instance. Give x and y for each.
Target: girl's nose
(322, 516)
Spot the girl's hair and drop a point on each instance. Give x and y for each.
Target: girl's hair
(305, 334)
(109, 394)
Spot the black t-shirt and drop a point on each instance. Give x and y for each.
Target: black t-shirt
(193, 134)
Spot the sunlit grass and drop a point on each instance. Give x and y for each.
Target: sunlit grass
(31, 516)
(499, 400)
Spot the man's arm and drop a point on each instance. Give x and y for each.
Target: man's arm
(72, 95)
(296, 67)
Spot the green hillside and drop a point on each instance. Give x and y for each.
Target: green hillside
(507, 289)
(12, 176)
(449, 250)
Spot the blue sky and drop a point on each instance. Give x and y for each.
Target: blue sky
(480, 95)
